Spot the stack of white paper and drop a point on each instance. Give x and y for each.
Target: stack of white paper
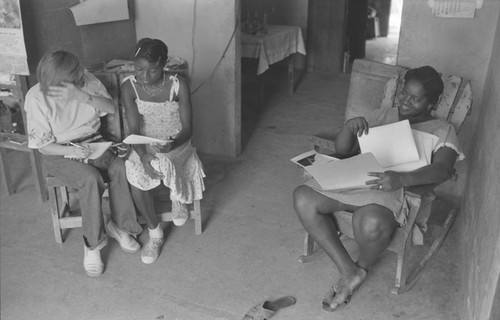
(391, 147)
(138, 139)
(345, 174)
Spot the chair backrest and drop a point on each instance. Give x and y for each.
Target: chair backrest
(375, 85)
(111, 124)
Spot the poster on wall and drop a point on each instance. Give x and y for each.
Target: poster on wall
(13, 57)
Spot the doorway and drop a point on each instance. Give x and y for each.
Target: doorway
(384, 23)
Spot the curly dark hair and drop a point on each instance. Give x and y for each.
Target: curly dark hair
(430, 79)
(152, 50)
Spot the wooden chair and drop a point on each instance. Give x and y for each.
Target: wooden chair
(63, 216)
(66, 217)
(374, 84)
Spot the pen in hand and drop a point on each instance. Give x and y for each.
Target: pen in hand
(85, 150)
(77, 145)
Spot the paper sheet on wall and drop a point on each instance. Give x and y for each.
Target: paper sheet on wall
(454, 8)
(13, 57)
(99, 11)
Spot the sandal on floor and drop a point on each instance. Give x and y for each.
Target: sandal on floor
(330, 295)
(267, 309)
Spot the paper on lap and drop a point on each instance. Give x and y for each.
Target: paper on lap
(351, 173)
(96, 148)
(392, 147)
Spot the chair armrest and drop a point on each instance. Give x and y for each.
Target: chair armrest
(420, 190)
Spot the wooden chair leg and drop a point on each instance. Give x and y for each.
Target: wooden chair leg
(308, 249)
(402, 265)
(56, 213)
(196, 214)
(414, 275)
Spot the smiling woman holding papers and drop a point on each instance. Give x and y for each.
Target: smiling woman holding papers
(377, 209)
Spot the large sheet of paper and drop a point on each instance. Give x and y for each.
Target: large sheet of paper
(99, 11)
(391, 144)
(425, 143)
(310, 158)
(351, 173)
(138, 139)
(13, 57)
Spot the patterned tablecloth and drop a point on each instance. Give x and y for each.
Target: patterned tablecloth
(278, 43)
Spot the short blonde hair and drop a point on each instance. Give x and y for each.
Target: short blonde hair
(58, 66)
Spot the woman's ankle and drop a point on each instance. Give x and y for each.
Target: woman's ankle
(156, 232)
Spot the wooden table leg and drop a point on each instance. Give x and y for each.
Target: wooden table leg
(291, 67)
(6, 179)
(38, 176)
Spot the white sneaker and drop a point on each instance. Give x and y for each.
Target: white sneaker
(126, 241)
(92, 262)
(151, 250)
(180, 213)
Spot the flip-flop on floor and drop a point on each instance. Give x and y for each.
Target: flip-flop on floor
(267, 309)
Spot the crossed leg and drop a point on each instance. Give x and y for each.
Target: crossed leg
(373, 226)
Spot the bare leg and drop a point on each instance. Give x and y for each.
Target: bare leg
(314, 211)
(145, 204)
(373, 227)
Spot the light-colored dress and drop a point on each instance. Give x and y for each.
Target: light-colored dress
(181, 167)
(393, 199)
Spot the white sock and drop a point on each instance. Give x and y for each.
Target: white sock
(156, 232)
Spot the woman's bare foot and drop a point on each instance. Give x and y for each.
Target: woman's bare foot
(342, 291)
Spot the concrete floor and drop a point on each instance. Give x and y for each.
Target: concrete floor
(247, 252)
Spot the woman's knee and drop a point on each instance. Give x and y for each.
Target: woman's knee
(92, 180)
(302, 199)
(117, 167)
(373, 223)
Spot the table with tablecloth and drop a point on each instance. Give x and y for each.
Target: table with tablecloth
(279, 43)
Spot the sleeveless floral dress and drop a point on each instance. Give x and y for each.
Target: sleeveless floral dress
(181, 167)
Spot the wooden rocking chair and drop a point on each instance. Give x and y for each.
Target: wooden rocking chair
(374, 84)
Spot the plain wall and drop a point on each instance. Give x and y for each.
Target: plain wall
(200, 32)
(468, 48)
(481, 203)
(457, 46)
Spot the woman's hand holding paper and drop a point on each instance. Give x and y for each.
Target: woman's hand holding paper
(358, 126)
(387, 181)
(146, 162)
(163, 148)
